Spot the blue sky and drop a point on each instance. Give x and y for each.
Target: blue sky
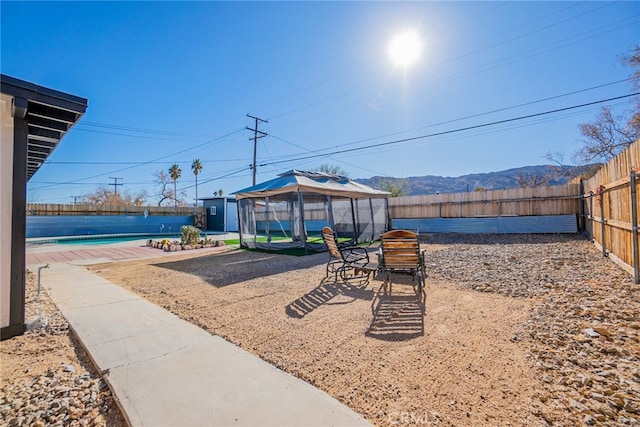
(168, 82)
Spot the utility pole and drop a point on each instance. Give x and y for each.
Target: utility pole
(256, 135)
(75, 199)
(115, 184)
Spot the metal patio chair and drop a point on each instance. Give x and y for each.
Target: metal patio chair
(345, 259)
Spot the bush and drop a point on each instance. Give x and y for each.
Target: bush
(189, 235)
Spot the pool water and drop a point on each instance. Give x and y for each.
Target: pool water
(105, 239)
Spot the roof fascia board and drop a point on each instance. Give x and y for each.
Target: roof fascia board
(42, 95)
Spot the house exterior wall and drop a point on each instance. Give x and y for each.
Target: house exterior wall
(6, 202)
(26, 141)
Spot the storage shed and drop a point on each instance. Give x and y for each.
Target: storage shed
(289, 211)
(222, 213)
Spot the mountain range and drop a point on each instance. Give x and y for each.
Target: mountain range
(510, 178)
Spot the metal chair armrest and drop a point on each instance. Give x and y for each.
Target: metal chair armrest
(354, 253)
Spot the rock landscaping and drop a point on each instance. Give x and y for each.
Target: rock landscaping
(189, 239)
(584, 330)
(47, 378)
(176, 245)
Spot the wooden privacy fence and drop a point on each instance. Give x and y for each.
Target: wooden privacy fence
(610, 207)
(89, 209)
(555, 200)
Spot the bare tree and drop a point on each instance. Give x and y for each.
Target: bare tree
(560, 169)
(166, 193)
(606, 136)
(632, 60)
(610, 134)
(531, 180)
(103, 196)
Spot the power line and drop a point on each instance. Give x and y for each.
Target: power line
(531, 102)
(155, 138)
(317, 152)
(555, 45)
(476, 115)
(374, 83)
(147, 162)
(227, 175)
(447, 132)
(57, 162)
(134, 129)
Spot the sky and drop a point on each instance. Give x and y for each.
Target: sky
(169, 82)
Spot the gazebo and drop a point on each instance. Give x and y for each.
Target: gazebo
(289, 211)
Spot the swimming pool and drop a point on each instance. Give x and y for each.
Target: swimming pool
(106, 239)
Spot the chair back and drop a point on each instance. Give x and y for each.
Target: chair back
(331, 241)
(400, 249)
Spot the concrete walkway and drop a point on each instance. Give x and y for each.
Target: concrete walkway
(165, 371)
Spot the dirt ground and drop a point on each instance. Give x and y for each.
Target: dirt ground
(459, 363)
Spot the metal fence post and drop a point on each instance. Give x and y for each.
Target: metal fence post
(581, 222)
(591, 213)
(634, 227)
(602, 221)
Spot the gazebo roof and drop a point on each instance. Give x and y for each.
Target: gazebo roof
(295, 181)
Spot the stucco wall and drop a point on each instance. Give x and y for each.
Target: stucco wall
(6, 178)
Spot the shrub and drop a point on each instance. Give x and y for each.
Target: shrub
(189, 235)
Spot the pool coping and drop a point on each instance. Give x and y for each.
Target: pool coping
(88, 237)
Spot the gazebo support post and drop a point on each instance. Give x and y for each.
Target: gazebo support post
(332, 222)
(303, 230)
(254, 226)
(240, 220)
(353, 218)
(373, 220)
(267, 220)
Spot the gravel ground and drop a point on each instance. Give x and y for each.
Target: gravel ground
(515, 330)
(47, 378)
(583, 332)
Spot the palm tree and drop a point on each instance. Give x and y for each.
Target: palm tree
(175, 172)
(196, 167)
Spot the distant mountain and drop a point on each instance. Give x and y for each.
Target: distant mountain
(430, 184)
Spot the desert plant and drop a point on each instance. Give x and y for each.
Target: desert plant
(189, 235)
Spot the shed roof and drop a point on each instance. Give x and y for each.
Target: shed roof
(310, 182)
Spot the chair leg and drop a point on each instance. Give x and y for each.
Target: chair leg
(387, 283)
(420, 283)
